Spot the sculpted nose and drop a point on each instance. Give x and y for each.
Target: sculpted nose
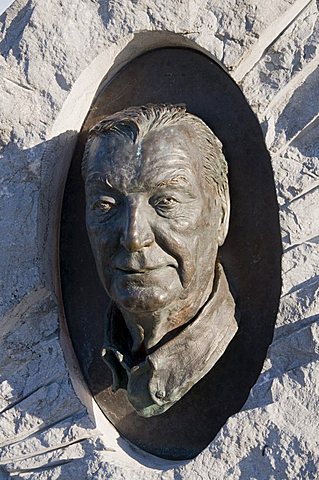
(137, 232)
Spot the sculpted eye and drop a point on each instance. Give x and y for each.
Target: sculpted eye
(104, 205)
(165, 205)
(165, 202)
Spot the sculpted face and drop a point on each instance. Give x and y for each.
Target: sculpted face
(154, 223)
(156, 217)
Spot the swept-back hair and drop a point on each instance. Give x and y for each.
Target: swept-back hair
(136, 122)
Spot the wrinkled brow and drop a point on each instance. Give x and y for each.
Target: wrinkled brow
(179, 180)
(96, 178)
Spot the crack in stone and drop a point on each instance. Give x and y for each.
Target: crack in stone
(29, 394)
(18, 84)
(57, 447)
(295, 82)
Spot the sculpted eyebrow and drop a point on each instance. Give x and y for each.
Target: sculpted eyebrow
(98, 179)
(179, 180)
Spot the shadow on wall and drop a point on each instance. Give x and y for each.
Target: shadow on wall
(3, 474)
(17, 26)
(297, 114)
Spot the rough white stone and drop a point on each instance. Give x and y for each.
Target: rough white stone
(45, 406)
(30, 355)
(73, 429)
(284, 62)
(298, 308)
(299, 227)
(300, 267)
(54, 55)
(297, 171)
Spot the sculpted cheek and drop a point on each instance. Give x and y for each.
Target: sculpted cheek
(104, 241)
(178, 246)
(185, 225)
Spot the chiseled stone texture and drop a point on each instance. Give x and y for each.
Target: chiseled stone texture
(53, 56)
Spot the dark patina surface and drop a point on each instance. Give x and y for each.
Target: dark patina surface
(157, 210)
(250, 256)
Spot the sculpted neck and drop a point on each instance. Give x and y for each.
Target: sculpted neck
(147, 329)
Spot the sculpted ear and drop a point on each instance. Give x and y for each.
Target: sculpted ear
(224, 223)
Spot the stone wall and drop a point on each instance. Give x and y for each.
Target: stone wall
(54, 55)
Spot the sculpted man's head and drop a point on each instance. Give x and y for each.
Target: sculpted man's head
(157, 212)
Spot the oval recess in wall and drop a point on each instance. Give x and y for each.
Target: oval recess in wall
(250, 256)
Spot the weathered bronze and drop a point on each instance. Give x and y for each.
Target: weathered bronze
(157, 210)
(251, 254)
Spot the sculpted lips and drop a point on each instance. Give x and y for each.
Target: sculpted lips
(129, 270)
(140, 264)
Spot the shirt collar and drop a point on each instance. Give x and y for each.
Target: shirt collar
(171, 370)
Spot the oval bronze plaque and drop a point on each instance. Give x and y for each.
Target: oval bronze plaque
(251, 254)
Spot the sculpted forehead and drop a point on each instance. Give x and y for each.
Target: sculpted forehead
(118, 158)
(170, 141)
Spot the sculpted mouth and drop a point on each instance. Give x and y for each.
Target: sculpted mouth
(144, 270)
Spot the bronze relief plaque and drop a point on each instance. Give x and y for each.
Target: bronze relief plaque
(170, 251)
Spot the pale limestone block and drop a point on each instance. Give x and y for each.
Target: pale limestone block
(299, 219)
(285, 64)
(70, 430)
(298, 308)
(300, 266)
(47, 405)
